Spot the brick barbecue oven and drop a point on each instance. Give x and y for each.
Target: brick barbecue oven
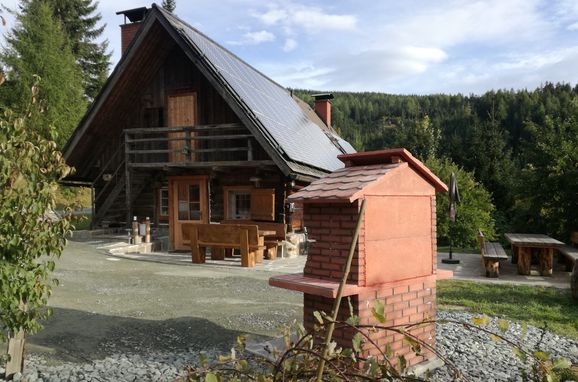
(395, 258)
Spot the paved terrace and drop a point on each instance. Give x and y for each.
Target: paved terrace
(469, 268)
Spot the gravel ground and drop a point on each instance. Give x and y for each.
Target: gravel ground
(124, 320)
(473, 352)
(483, 359)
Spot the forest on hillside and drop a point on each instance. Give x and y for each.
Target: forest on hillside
(522, 146)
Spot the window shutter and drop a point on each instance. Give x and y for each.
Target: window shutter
(263, 204)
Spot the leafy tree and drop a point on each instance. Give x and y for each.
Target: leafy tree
(169, 5)
(30, 235)
(80, 22)
(474, 212)
(548, 191)
(419, 137)
(37, 46)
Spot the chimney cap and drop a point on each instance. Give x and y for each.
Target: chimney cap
(134, 15)
(322, 96)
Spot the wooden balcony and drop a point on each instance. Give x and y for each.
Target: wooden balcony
(192, 146)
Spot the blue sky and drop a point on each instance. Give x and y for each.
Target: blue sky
(404, 47)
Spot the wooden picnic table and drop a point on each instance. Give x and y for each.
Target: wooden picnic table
(523, 244)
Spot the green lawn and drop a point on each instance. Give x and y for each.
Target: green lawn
(550, 307)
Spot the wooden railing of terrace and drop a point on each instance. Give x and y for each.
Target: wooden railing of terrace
(190, 146)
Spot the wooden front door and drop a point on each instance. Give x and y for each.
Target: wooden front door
(188, 204)
(182, 111)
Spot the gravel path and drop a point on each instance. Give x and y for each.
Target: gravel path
(482, 359)
(473, 352)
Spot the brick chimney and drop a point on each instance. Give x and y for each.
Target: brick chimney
(132, 21)
(323, 106)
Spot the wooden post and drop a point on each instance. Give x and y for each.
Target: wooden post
(134, 233)
(197, 254)
(16, 353)
(492, 267)
(247, 256)
(249, 149)
(147, 230)
(127, 188)
(188, 144)
(524, 260)
(92, 207)
(574, 281)
(546, 261)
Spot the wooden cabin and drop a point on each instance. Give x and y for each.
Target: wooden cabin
(185, 131)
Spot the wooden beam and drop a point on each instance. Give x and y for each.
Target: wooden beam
(160, 129)
(255, 163)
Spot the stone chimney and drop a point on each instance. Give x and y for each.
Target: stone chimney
(323, 106)
(132, 21)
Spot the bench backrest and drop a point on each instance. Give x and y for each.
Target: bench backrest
(222, 234)
(279, 228)
(482, 241)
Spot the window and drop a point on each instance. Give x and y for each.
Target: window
(239, 205)
(246, 202)
(164, 202)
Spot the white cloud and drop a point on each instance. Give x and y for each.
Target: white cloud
(310, 19)
(272, 16)
(254, 38)
(464, 21)
(573, 27)
(259, 37)
(290, 45)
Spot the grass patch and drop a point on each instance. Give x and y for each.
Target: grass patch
(542, 307)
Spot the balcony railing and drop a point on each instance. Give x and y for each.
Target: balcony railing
(188, 146)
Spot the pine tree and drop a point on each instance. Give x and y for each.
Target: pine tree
(169, 5)
(80, 23)
(37, 47)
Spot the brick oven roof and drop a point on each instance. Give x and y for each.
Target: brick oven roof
(362, 170)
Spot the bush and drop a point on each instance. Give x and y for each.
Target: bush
(474, 212)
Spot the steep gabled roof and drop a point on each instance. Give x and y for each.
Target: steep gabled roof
(282, 125)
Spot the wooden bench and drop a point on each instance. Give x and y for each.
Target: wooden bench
(570, 252)
(492, 253)
(245, 238)
(271, 242)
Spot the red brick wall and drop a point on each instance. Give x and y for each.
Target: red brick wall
(127, 33)
(406, 302)
(434, 230)
(332, 226)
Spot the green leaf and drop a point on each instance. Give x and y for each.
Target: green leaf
(495, 338)
(356, 342)
(482, 320)
(388, 351)
(561, 363)
(542, 356)
(519, 353)
(503, 325)
(413, 343)
(210, 377)
(401, 363)
(353, 320)
(378, 311)
(318, 317)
